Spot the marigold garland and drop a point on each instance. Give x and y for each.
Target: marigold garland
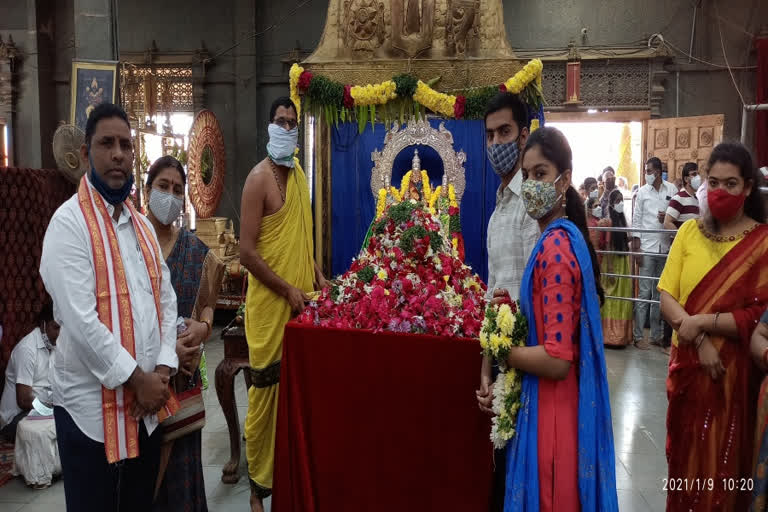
(382, 203)
(336, 101)
(452, 197)
(294, 76)
(425, 186)
(376, 94)
(435, 197)
(395, 194)
(404, 183)
(528, 74)
(435, 101)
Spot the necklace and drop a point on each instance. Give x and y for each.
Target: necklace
(722, 238)
(274, 173)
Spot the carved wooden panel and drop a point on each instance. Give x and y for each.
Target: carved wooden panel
(692, 141)
(554, 83)
(173, 88)
(615, 83)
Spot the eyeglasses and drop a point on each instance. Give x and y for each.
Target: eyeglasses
(288, 124)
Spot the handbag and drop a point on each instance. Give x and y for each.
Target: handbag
(189, 418)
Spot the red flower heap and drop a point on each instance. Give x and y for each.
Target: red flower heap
(304, 80)
(408, 279)
(458, 106)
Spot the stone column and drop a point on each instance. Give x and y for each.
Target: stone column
(95, 34)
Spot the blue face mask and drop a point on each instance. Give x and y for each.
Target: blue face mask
(503, 157)
(111, 195)
(664, 176)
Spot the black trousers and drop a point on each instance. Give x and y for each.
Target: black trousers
(93, 485)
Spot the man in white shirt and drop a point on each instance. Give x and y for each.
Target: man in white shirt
(512, 233)
(113, 297)
(26, 376)
(650, 209)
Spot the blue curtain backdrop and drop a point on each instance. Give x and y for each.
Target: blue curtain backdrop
(353, 205)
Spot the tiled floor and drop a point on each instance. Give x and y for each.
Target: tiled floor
(638, 402)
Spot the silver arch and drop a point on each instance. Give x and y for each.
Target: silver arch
(413, 134)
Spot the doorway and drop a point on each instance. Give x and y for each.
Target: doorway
(602, 139)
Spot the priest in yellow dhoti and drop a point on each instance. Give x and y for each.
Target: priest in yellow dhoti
(277, 249)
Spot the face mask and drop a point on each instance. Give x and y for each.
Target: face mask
(50, 346)
(282, 144)
(724, 206)
(597, 211)
(664, 176)
(618, 208)
(113, 196)
(503, 157)
(539, 197)
(164, 206)
(593, 194)
(650, 179)
(696, 182)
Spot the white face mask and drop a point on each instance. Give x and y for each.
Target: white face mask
(597, 211)
(696, 182)
(50, 346)
(164, 206)
(618, 208)
(593, 194)
(650, 179)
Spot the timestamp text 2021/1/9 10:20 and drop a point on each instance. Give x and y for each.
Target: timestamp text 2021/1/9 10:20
(707, 484)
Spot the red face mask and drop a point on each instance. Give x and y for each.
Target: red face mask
(724, 206)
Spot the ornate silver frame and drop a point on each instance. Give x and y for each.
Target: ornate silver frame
(418, 133)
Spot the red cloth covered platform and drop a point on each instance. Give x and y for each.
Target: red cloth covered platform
(380, 421)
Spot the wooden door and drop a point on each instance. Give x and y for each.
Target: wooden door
(678, 140)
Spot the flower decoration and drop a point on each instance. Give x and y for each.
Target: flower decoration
(381, 203)
(528, 74)
(349, 101)
(404, 183)
(504, 327)
(435, 196)
(304, 80)
(458, 107)
(425, 186)
(378, 94)
(433, 100)
(406, 280)
(337, 102)
(294, 74)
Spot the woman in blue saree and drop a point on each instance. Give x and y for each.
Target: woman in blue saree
(196, 277)
(562, 458)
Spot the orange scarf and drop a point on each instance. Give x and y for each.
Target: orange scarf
(113, 302)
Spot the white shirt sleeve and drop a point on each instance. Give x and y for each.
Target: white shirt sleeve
(168, 356)
(66, 268)
(24, 359)
(637, 213)
(169, 307)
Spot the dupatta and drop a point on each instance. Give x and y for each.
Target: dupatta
(597, 476)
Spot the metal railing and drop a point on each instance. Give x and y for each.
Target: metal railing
(630, 253)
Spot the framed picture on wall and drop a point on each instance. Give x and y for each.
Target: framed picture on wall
(93, 82)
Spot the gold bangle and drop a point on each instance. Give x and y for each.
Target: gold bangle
(210, 328)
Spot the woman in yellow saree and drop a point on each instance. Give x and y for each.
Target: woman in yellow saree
(713, 290)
